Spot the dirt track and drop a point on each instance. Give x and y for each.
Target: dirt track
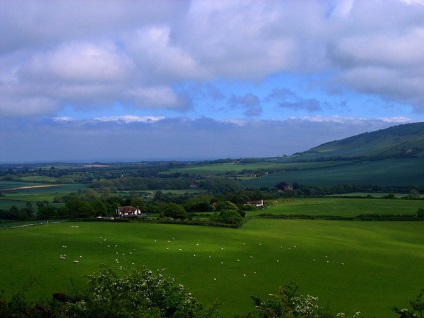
(31, 187)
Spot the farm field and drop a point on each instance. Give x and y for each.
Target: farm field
(213, 169)
(18, 193)
(389, 172)
(334, 206)
(351, 266)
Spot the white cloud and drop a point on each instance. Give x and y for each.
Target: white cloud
(98, 54)
(130, 119)
(80, 62)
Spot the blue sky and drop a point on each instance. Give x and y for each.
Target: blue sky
(157, 80)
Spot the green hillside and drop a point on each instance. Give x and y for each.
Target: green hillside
(403, 141)
(387, 157)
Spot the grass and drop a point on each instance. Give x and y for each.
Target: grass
(213, 169)
(19, 197)
(39, 179)
(391, 172)
(334, 206)
(382, 260)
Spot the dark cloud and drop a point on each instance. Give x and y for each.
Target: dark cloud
(180, 138)
(285, 98)
(249, 102)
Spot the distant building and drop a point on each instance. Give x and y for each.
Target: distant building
(128, 211)
(258, 203)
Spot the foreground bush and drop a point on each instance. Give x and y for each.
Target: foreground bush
(146, 294)
(134, 293)
(288, 303)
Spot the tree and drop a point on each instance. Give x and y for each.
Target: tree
(199, 203)
(100, 208)
(46, 212)
(79, 209)
(289, 193)
(225, 205)
(175, 211)
(231, 217)
(420, 213)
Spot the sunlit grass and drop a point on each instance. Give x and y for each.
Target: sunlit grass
(382, 261)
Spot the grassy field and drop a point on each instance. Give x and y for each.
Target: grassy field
(17, 193)
(213, 169)
(39, 179)
(341, 206)
(391, 172)
(352, 266)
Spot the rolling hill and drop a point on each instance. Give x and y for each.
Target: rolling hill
(403, 141)
(389, 157)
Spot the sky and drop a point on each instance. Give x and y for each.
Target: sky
(126, 80)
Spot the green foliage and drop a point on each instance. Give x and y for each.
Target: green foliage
(420, 213)
(133, 293)
(289, 193)
(288, 303)
(79, 209)
(136, 293)
(46, 212)
(225, 205)
(175, 211)
(231, 217)
(199, 203)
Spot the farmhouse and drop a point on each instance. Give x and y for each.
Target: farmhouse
(259, 203)
(128, 211)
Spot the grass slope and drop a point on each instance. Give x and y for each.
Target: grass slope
(389, 172)
(398, 141)
(382, 261)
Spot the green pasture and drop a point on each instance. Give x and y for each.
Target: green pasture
(213, 169)
(46, 179)
(19, 197)
(5, 185)
(391, 172)
(333, 206)
(351, 266)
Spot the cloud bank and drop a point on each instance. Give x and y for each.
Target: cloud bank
(134, 138)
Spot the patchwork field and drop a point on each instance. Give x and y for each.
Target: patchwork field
(352, 266)
(18, 193)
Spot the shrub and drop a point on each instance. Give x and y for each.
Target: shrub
(136, 293)
(417, 307)
(231, 217)
(133, 293)
(174, 210)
